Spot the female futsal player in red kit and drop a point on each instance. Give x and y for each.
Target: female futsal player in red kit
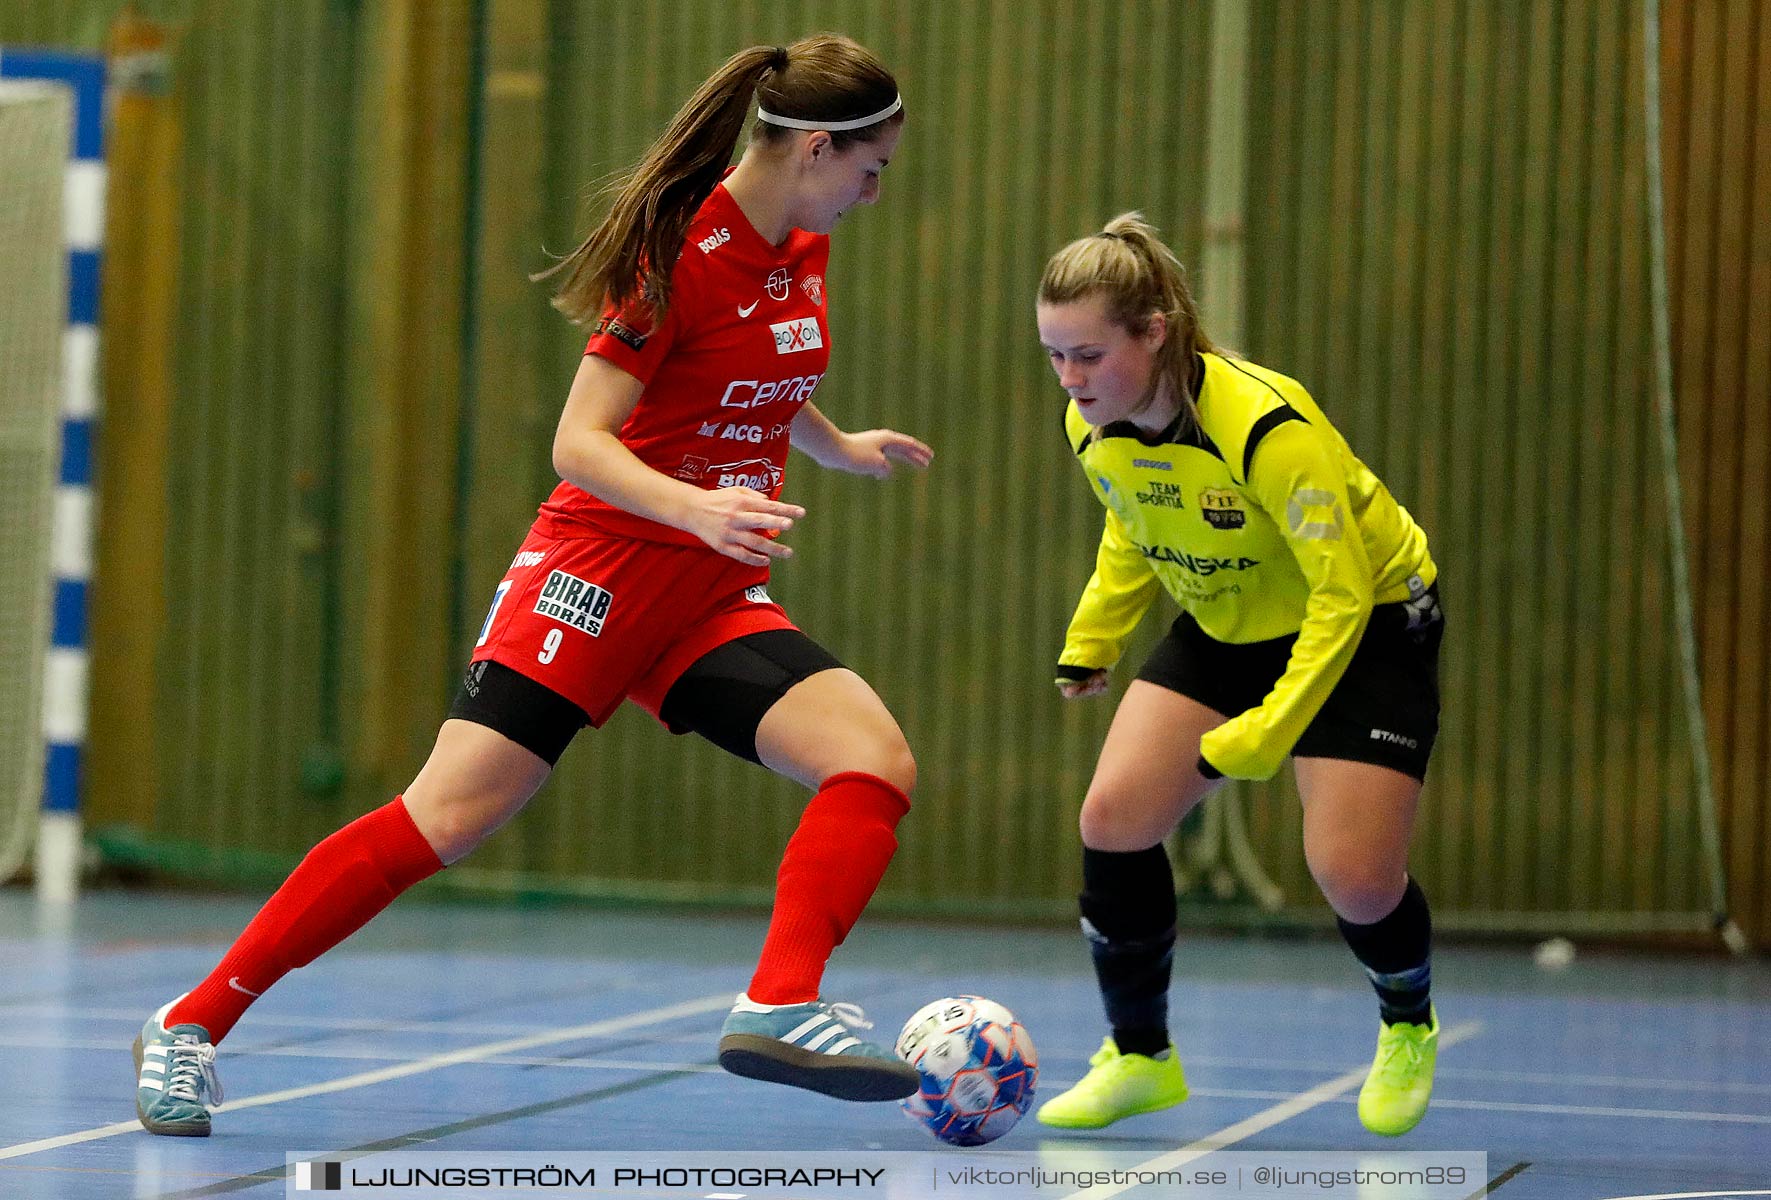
(644, 576)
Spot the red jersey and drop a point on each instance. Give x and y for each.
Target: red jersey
(742, 347)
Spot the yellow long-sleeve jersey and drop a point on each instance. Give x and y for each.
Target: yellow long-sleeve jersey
(1261, 523)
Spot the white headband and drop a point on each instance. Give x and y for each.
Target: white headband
(763, 114)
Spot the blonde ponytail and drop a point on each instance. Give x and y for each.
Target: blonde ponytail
(1128, 264)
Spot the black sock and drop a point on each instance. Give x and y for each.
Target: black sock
(1128, 917)
(1396, 953)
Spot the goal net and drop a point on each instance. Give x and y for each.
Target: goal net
(34, 133)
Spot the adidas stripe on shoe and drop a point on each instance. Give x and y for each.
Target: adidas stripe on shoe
(175, 1080)
(812, 1046)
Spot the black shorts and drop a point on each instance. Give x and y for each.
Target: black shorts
(723, 695)
(1385, 709)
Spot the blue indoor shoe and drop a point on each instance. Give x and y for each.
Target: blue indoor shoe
(175, 1079)
(813, 1046)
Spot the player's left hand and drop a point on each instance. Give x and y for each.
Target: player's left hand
(875, 452)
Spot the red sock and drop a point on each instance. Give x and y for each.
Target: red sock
(337, 888)
(833, 863)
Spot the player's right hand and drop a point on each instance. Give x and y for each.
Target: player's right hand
(742, 523)
(1075, 689)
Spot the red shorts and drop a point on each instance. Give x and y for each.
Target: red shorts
(602, 620)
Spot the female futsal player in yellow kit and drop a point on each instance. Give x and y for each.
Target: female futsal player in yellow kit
(1310, 628)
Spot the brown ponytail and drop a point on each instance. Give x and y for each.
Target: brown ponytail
(1131, 266)
(634, 251)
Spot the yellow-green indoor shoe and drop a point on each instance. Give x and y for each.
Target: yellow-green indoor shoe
(1395, 1095)
(1117, 1085)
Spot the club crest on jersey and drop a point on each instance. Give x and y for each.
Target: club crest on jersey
(1222, 509)
(813, 287)
(793, 336)
(777, 284)
(575, 602)
(757, 594)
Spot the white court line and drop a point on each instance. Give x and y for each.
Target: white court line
(688, 1008)
(1570, 1110)
(266, 1022)
(1629, 1081)
(342, 1054)
(262, 1022)
(1266, 1119)
(702, 1068)
(1560, 1110)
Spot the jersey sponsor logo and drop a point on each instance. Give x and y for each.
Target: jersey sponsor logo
(1198, 595)
(1161, 495)
(1222, 509)
(1152, 464)
(691, 468)
(626, 334)
(744, 310)
(813, 287)
(729, 431)
(1314, 515)
(759, 473)
(777, 284)
(757, 594)
(574, 602)
(714, 240)
(528, 558)
(793, 336)
(1198, 564)
(754, 393)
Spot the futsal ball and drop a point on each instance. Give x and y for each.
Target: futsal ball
(978, 1068)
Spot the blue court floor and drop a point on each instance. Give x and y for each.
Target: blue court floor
(577, 1028)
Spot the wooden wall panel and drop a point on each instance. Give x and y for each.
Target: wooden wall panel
(1716, 66)
(1445, 239)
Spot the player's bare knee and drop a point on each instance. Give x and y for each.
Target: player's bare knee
(1112, 822)
(1359, 891)
(452, 838)
(889, 758)
(903, 769)
(452, 827)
